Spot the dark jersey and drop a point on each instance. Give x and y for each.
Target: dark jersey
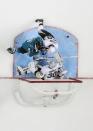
(32, 47)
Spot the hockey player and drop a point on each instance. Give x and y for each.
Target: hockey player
(45, 43)
(31, 47)
(45, 68)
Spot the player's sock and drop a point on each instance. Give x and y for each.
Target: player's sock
(40, 24)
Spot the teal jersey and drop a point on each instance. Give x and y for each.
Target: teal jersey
(30, 46)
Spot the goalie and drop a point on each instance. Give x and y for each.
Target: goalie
(45, 68)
